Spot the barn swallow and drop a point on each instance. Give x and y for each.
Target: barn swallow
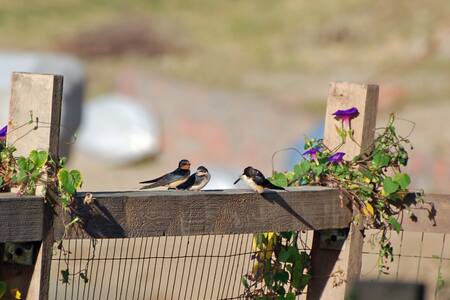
(196, 181)
(256, 180)
(172, 179)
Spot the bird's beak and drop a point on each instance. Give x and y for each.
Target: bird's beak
(237, 180)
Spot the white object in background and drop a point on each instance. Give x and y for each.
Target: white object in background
(73, 87)
(118, 129)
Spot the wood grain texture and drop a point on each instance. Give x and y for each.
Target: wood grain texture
(40, 279)
(21, 218)
(326, 262)
(39, 95)
(343, 95)
(137, 214)
(34, 123)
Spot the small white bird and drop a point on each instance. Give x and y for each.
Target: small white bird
(256, 180)
(196, 181)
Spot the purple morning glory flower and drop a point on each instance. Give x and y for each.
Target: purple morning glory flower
(336, 158)
(346, 115)
(3, 132)
(313, 152)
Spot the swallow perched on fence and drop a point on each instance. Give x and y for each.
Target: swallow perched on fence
(196, 181)
(256, 180)
(172, 179)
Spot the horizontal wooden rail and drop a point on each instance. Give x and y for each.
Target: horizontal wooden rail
(21, 218)
(156, 213)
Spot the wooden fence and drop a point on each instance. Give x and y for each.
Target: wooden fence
(142, 214)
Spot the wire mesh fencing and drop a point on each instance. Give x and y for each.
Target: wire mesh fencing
(166, 267)
(418, 257)
(211, 266)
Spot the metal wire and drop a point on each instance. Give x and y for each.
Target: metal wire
(196, 267)
(419, 266)
(186, 267)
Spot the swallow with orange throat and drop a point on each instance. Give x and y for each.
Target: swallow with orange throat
(170, 180)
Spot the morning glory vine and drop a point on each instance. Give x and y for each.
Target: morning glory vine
(26, 173)
(374, 181)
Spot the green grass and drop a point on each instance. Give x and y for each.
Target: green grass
(231, 42)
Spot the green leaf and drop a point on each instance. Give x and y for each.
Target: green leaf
(279, 179)
(21, 176)
(290, 176)
(65, 181)
(302, 168)
(35, 174)
(260, 239)
(22, 162)
(282, 276)
(294, 256)
(280, 291)
(390, 186)
(283, 256)
(39, 158)
(318, 170)
(301, 281)
(305, 259)
(245, 282)
(395, 224)
(64, 200)
(69, 181)
(380, 159)
(268, 280)
(403, 180)
(3, 288)
(76, 178)
(65, 275)
(286, 234)
(290, 296)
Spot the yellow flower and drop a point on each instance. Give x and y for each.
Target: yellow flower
(254, 246)
(16, 294)
(368, 210)
(366, 180)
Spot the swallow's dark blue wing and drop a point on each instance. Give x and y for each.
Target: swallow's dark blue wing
(270, 185)
(259, 178)
(263, 181)
(176, 175)
(188, 183)
(154, 180)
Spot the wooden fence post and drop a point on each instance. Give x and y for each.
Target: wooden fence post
(36, 98)
(342, 265)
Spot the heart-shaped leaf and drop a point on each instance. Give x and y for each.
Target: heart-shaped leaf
(39, 158)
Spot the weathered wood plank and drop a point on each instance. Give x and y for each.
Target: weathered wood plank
(21, 218)
(136, 214)
(343, 95)
(35, 96)
(34, 123)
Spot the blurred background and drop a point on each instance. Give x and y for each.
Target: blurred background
(227, 83)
